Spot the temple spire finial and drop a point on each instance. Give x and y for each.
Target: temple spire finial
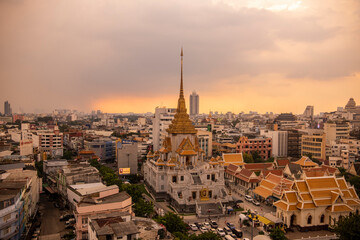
(181, 81)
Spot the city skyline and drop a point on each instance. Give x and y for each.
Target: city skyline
(264, 56)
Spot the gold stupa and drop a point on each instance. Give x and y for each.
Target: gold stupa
(181, 124)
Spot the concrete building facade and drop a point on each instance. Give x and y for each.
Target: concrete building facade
(194, 104)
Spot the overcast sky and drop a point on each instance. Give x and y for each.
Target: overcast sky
(124, 56)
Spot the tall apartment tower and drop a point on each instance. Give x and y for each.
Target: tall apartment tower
(160, 122)
(309, 112)
(7, 109)
(194, 104)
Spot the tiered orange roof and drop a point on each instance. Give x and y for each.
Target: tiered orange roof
(327, 191)
(272, 185)
(233, 158)
(306, 162)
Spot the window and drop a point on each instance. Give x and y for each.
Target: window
(322, 218)
(162, 177)
(212, 177)
(84, 220)
(174, 179)
(7, 217)
(208, 177)
(182, 178)
(7, 230)
(309, 220)
(210, 193)
(194, 195)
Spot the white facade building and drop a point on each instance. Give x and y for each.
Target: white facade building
(161, 121)
(279, 142)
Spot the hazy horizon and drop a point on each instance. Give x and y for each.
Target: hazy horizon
(124, 56)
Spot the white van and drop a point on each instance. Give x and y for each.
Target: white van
(248, 198)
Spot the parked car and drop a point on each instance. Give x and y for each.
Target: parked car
(203, 229)
(70, 226)
(233, 236)
(230, 225)
(207, 225)
(256, 203)
(237, 232)
(239, 201)
(193, 227)
(214, 224)
(70, 221)
(198, 225)
(248, 198)
(37, 231)
(227, 230)
(213, 230)
(66, 217)
(221, 232)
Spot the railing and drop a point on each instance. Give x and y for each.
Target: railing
(326, 237)
(12, 208)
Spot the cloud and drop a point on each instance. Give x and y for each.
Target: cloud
(71, 54)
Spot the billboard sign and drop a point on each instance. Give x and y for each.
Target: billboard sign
(123, 171)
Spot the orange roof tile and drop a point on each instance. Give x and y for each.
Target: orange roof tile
(291, 197)
(308, 205)
(301, 186)
(234, 158)
(265, 193)
(306, 162)
(352, 202)
(323, 202)
(342, 208)
(342, 183)
(321, 182)
(267, 184)
(281, 205)
(188, 152)
(292, 208)
(306, 196)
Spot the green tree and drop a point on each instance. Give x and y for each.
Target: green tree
(355, 181)
(256, 156)
(248, 158)
(172, 222)
(39, 168)
(348, 228)
(67, 155)
(277, 234)
(135, 191)
(143, 208)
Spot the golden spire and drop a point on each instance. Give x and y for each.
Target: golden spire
(181, 122)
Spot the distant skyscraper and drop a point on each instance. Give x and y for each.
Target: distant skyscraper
(194, 104)
(309, 112)
(7, 108)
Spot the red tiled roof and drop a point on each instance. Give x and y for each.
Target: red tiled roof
(278, 172)
(282, 162)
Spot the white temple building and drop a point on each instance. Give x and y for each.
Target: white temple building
(179, 173)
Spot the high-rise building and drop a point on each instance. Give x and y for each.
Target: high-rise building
(279, 142)
(7, 109)
(309, 112)
(336, 130)
(194, 104)
(313, 143)
(160, 122)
